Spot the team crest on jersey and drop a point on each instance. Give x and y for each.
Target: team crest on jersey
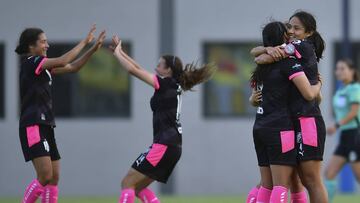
(296, 41)
(296, 66)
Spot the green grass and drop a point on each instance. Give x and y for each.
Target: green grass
(172, 199)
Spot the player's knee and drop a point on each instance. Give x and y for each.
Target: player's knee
(55, 179)
(45, 177)
(311, 181)
(127, 183)
(296, 186)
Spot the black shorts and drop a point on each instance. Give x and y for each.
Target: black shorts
(37, 141)
(275, 147)
(349, 145)
(158, 161)
(310, 138)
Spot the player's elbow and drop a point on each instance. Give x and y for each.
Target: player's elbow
(62, 61)
(253, 52)
(71, 68)
(309, 96)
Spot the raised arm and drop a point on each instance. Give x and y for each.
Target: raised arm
(264, 59)
(130, 65)
(267, 55)
(69, 56)
(257, 51)
(76, 65)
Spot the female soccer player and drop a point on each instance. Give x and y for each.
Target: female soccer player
(273, 131)
(36, 126)
(307, 118)
(169, 82)
(346, 107)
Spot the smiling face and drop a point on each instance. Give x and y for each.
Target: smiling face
(296, 29)
(343, 72)
(40, 47)
(162, 69)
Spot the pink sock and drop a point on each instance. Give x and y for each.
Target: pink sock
(32, 192)
(263, 195)
(148, 196)
(299, 197)
(279, 194)
(251, 198)
(50, 194)
(127, 196)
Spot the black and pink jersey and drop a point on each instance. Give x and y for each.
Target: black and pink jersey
(274, 112)
(298, 104)
(166, 107)
(35, 93)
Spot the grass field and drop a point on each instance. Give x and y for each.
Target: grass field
(164, 199)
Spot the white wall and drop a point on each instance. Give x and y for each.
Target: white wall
(218, 155)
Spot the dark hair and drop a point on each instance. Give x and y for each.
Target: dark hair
(309, 23)
(350, 64)
(27, 38)
(189, 76)
(273, 34)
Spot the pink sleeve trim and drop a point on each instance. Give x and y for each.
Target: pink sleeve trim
(39, 67)
(156, 83)
(296, 74)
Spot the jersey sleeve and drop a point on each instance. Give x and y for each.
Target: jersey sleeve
(305, 49)
(354, 94)
(36, 63)
(292, 68)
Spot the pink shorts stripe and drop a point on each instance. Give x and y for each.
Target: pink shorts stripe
(156, 83)
(287, 140)
(156, 154)
(309, 131)
(295, 75)
(39, 67)
(33, 135)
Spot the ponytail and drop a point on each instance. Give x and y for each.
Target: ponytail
(21, 49)
(192, 75)
(309, 23)
(319, 44)
(27, 38)
(259, 75)
(189, 76)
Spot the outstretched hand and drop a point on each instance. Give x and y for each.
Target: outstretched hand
(90, 36)
(100, 40)
(116, 45)
(277, 53)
